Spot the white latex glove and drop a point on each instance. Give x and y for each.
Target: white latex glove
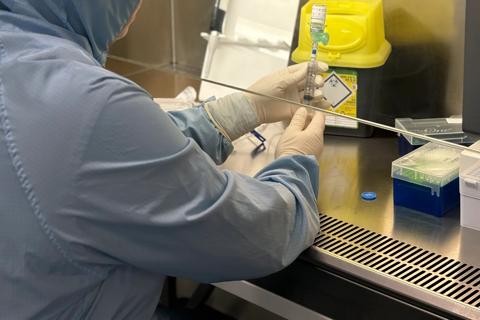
(288, 83)
(238, 113)
(301, 137)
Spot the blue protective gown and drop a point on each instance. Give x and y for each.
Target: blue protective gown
(102, 193)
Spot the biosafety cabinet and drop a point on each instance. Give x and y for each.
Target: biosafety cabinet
(371, 259)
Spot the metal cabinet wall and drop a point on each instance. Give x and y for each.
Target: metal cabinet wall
(167, 33)
(424, 76)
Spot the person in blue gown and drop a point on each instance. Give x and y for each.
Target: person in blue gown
(103, 194)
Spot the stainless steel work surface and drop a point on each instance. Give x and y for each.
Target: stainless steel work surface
(425, 258)
(350, 166)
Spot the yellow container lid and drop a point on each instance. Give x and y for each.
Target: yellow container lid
(357, 34)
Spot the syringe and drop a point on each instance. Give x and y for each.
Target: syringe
(310, 85)
(318, 34)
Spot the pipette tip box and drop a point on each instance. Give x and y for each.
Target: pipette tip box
(426, 180)
(447, 129)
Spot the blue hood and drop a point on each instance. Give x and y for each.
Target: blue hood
(93, 24)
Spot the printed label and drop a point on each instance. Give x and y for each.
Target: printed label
(340, 89)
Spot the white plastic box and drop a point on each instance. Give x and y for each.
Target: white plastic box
(470, 187)
(448, 129)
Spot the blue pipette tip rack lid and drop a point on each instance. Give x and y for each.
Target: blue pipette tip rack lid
(369, 196)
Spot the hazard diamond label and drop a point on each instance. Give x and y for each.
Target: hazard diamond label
(336, 90)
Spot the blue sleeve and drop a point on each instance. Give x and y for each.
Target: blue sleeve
(147, 196)
(194, 123)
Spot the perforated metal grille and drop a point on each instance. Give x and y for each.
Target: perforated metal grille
(447, 277)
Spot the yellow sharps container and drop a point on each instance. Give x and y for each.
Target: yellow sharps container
(356, 53)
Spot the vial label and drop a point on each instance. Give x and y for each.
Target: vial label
(319, 14)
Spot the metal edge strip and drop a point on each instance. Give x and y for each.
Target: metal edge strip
(389, 282)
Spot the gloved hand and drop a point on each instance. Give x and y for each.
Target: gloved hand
(239, 113)
(301, 137)
(288, 83)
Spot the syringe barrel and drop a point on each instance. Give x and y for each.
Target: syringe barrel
(309, 93)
